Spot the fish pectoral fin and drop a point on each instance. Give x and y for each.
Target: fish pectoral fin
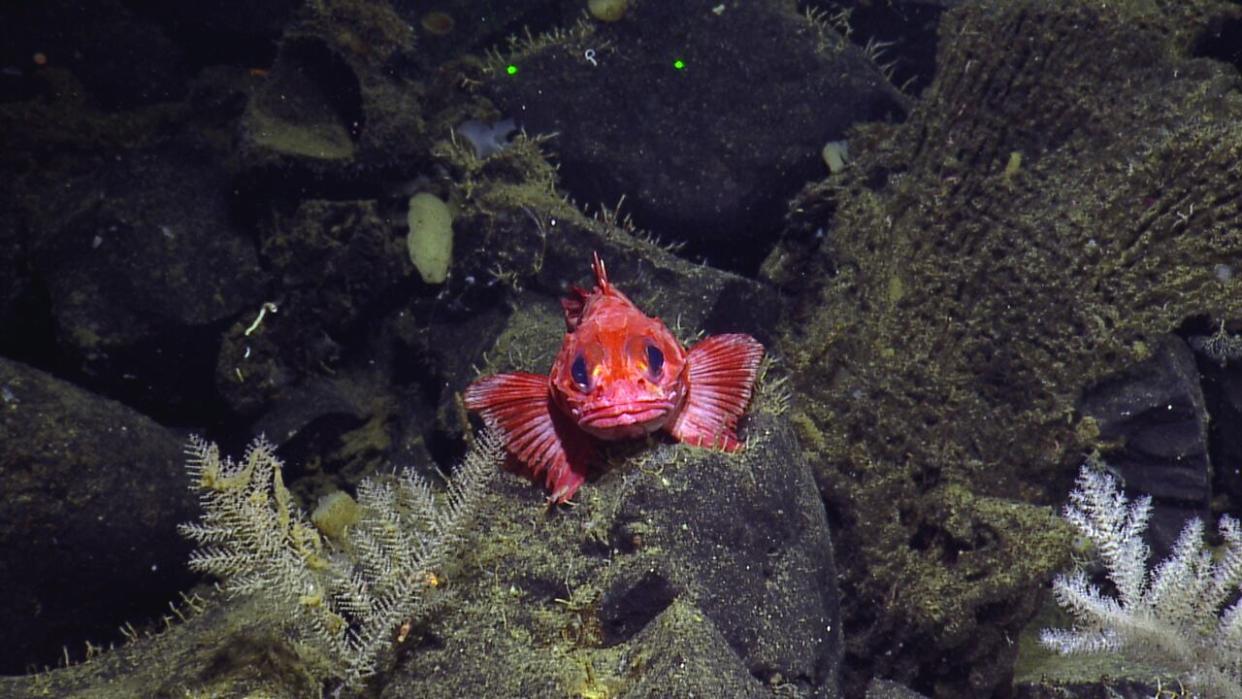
(519, 407)
(721, 375)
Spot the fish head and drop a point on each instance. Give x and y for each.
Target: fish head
(620, 373)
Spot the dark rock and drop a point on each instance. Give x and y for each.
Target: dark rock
(1221, 375)
(226, 32)
(708, 153)
(885, 689)
(334, 261)
(747, 541)
(900, 35)
(141, 263)
(631, 605)
(331, 115)
(1155, 413)
(309, 108)
(15, 282)
(683, 654)
(335, 265)
(93, 493)
(1226, 437)
(122, 59)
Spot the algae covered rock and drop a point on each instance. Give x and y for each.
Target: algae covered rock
(206, 648)
(90, 502)
(967, 304)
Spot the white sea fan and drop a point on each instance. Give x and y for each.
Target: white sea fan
(1172, 618)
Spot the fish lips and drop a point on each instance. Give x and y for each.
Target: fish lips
(626, 420)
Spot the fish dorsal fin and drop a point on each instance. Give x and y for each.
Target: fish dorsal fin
(601, 272)
(574, 305)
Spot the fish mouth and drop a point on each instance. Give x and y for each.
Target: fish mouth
(629, 419)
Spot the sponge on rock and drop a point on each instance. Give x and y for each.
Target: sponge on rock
(430, 240)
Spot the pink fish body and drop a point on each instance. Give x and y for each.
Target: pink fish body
(620, 374)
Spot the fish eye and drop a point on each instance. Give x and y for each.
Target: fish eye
(655, 360)
(579, 371)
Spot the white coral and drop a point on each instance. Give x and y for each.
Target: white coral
(1174, 619)
(347, 601)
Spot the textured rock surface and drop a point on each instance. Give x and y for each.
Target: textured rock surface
(973, 294)
(223, 649)
(93, 493)
(1155, 421)
(709, 153)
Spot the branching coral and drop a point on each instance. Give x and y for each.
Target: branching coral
(1172, 618)
(346, 600)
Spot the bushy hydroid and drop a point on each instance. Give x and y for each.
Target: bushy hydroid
(1183, 616)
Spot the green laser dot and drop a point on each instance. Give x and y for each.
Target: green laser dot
(679, 64)
(511, 69)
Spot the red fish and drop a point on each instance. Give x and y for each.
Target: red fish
(620, 374)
